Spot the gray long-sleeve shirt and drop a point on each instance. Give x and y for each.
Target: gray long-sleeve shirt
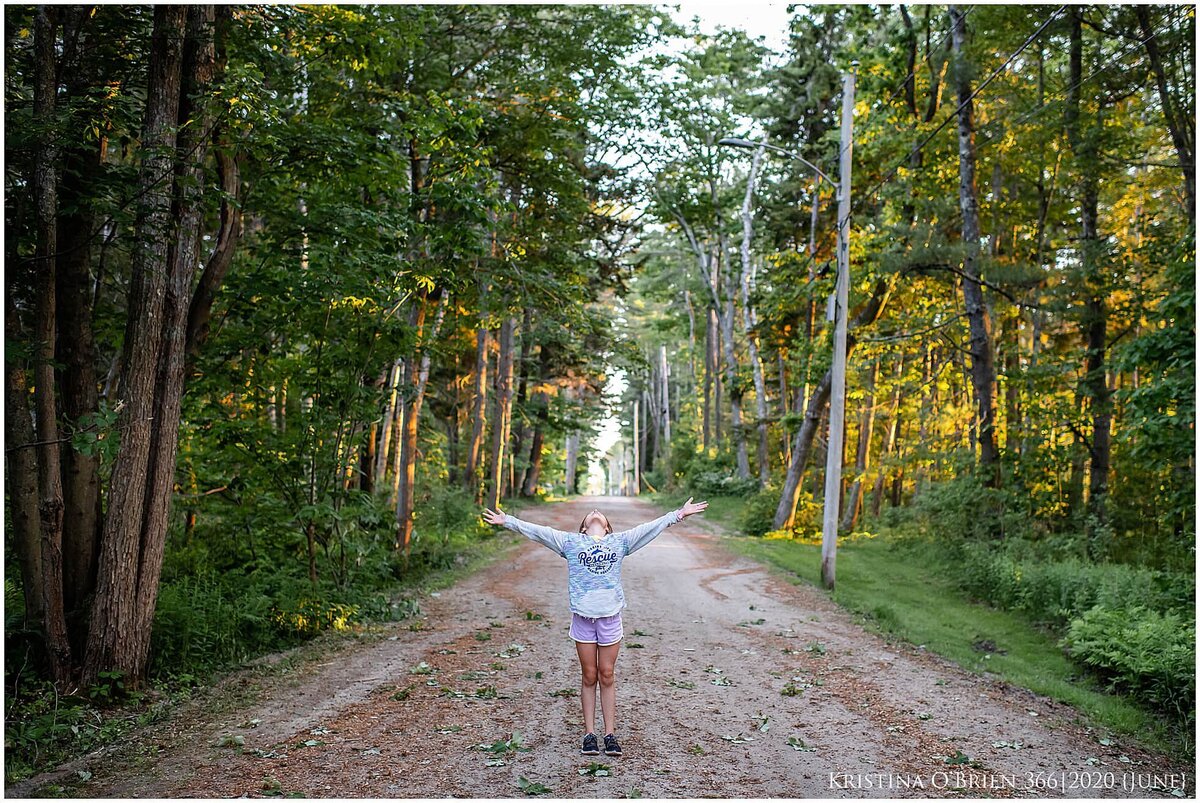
(594, 564)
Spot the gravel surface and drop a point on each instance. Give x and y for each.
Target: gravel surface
(725, 670)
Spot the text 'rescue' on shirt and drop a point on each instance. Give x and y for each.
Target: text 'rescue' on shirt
(594, 564)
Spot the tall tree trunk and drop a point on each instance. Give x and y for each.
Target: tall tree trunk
(1180, 122)
(479, 411)
(572, 447)
(198, 74)
(501, 420)
(77, 347)
(1094, 394)
(983, 372)
(412, 418)
(530, 483)
(665, 373)
(927, 405)
(748, 320)
(390, 413)
(113, 643)
(709, 337)
(687, 299)
(521, 372)
(44, 187)
(737, 425)
(21, 477)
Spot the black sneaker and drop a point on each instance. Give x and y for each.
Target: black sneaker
(611, 748)
(590, 747)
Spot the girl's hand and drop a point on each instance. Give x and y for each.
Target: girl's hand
(492, 517)
(689, 508)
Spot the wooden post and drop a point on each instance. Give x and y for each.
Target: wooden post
(666, 400)
(837, 401)
(636, 452)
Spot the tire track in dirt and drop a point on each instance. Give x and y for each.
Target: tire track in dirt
(721, 638)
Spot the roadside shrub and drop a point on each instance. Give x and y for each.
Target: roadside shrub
(445, 509)
(758, 516)
(1148, 654)
(719, 483)
(1056, 591)
(203, 623)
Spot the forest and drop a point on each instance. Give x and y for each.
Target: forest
(293, 292)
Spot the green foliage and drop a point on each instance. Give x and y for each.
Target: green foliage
(1141, 651)
(1057, 591)
(758, 516)
(711, 473)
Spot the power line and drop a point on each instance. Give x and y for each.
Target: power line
(1110, 63)
(891, 173)
(913, 71)
(961, 106)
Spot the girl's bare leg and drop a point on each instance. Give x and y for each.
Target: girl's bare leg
(606, 666)
(587, 688)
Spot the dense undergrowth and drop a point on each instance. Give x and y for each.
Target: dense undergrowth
(225, 601)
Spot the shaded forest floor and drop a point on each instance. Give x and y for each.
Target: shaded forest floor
(731, 682)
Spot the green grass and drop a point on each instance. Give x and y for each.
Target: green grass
(899, 591)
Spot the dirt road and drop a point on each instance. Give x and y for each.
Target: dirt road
(725, 671)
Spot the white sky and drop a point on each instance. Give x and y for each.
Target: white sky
(757, 18)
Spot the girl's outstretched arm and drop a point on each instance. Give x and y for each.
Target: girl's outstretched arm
(547, 536)
(643, 534)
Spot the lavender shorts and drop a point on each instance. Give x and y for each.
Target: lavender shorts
(603, 630)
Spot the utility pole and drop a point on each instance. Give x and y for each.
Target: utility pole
(839, 314)
(637, 480)
(666, 400)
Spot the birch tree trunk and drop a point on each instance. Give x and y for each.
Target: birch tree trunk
(748, 320)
